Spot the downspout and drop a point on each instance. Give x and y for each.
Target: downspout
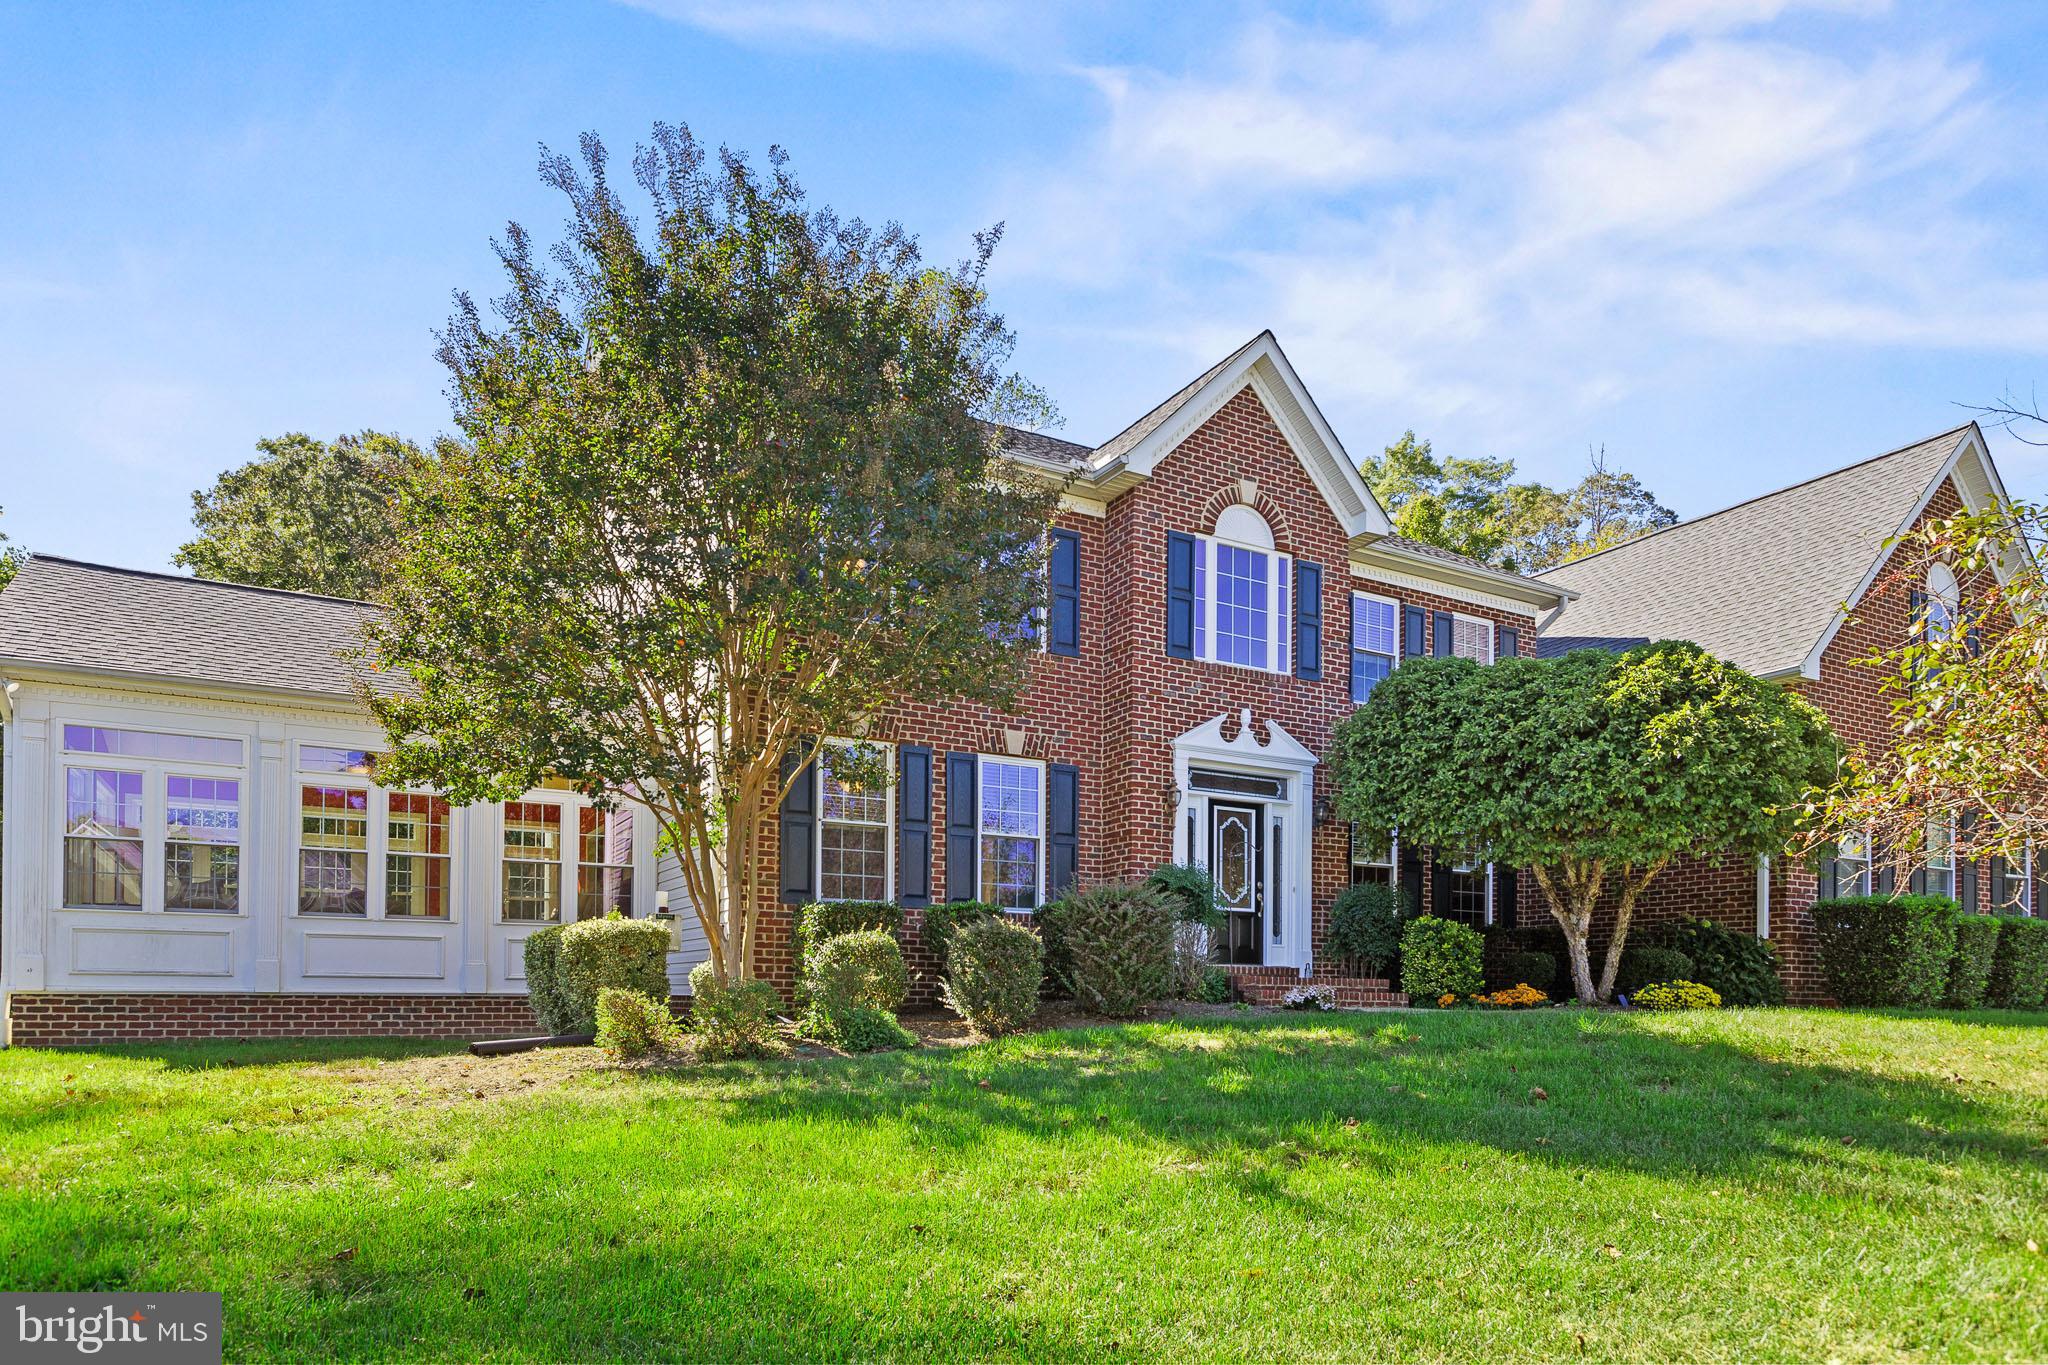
(7, 690)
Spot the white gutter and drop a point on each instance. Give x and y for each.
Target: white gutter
(35, 671)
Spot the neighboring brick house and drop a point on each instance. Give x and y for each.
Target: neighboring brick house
(194, 848)
(1797, 587)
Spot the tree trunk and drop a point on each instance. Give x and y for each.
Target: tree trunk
(1630, 890)
(1571, 892)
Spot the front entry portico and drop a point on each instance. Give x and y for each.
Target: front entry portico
(1243, 810)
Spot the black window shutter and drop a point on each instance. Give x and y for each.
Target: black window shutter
(1063, 805)
(800, 827)
(1510, 644)
(1414, 625)
(914, 826)
(2001, 888)
(1439, 887)
(1180, 595)
(1308, 621)
(963, 814)
(1916, 613)
(1507, 895)
(1973, 638)
(1065, 634)
(1966, 872)
(1411, 879)
(1916, 882)
(1440, 634)
(1827, 884)
(1884, 876)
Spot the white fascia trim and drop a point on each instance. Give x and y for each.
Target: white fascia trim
(175, 685)
(1265, 369)
(1974, 498)
(1087, 507)
(1438, 588)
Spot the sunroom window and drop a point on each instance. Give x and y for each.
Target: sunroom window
(533, 861)
(604, 862)
(147, 826)
(103, 838)
(202, 843)
(334, 850)
(416, 857)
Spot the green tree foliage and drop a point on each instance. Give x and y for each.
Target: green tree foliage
(1474, 507)
(725, 482)
(1593, 770)
(11, 556)
(306, 514)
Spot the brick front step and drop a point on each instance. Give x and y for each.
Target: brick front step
(1267, 985)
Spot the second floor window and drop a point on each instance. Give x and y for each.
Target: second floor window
(1228, 595)
(1375, 642)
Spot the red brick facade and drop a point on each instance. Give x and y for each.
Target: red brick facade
(68, 1018)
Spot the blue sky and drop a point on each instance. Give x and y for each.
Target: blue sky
(1738, 242)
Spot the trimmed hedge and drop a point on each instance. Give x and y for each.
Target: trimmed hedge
(1440, 957)
(1650, 965)
(1886, 951)
(862, 968)
(731, 1020)
(1741, 968)
(1365, 927)
(1969, 971)
(1119, 941)
(542, 954)
(631, 954)
(947, 918)
(823, 920)
(992, 975)
(1538, 970)
(2019, 967)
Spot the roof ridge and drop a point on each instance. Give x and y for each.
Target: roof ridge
(1760, 497)
(194, 578)
(1186, 391)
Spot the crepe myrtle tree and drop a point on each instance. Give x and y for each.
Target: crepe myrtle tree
(1968, 695)
(724, 483)
(1593, 770)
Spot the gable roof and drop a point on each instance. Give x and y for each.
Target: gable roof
(1762, 583)
(71, 616)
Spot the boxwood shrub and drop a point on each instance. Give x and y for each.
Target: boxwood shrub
(1365, 928)
(614, 951)
(947, 918)
(1648, 964)
(861, 968)
(1878, 950)
(1741, 968)
(1118, 942)
(542, 954)
(731, 1020)
(822, 920)
(1969, 971)
(992, 973)
(2019, 967)
(1440, 957)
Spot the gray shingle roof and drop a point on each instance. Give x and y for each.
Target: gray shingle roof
(1759, 583)
(1130, 436)
(1036, 445)
(62, 613)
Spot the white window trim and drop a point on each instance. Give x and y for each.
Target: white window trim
(889, 818)
(1392, 864)
(155, 774)
(1044, 816)
(1280, 625)
(1476, 866)
(1949, 851)
(1353, 650)
(1491, 631)
(1867, 877)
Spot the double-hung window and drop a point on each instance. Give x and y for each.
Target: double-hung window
(1472, 638)
(1241, 608)
(1852, 865)
(1012, 832)
(1375, 642)
(604, 862)
(416, 857)
(1372, 858)
(532, 871)
(151, 821)
(1469, 888)
(853, 827)
(1941, 861)
(369, 852)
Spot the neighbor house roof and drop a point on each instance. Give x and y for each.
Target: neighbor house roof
(1761, 583)
(71, 616)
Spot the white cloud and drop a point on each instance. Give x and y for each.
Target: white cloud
(986, 26)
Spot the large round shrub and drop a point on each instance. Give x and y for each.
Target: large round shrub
(1119, 942)
(631, 954)
(2019, 967)
(1969, 971)
(822, 920)
(992, 973)
(1365, 927)
(1879, 951)
(863, 968)
(1649, 965)
(1741, 968)
(1440, 957)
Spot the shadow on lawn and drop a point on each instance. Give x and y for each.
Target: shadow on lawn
(211, 1055)
(1615, 1095)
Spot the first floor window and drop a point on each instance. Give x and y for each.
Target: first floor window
(1468, 884)
(1852, 865)
(102, 838)
(604, 862)
(1375, 637)
(1372, 859)
(1012, 833)
(416, 856)
(1941, 863)
(533, 861)
(334, 850)
(202, 843)
(853, 830)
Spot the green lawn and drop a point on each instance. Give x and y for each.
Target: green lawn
(1763, 1185)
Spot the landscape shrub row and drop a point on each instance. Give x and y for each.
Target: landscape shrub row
(1923, 950)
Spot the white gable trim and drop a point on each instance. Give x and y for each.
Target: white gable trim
(1263, 368)
(1372, 573)
(1977, 484)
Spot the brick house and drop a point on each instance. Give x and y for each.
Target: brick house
(1797, 586)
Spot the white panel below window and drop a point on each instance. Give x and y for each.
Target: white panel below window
(374, 955)
(152, 952)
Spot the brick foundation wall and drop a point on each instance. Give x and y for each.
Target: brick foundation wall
(67, 1019)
